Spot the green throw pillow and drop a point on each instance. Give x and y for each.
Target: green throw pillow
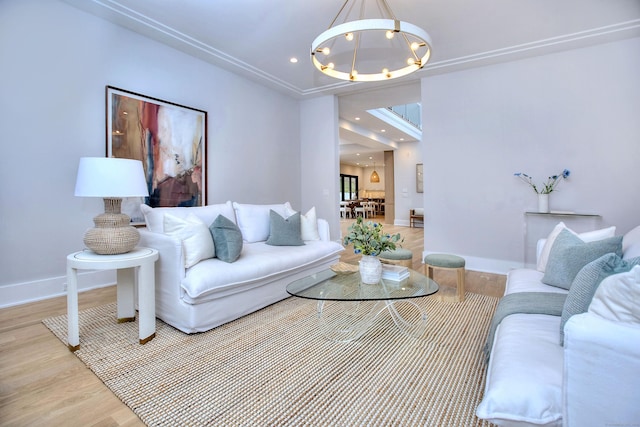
(284, 231)
(586, 283)
(569, 254)
(227, 238)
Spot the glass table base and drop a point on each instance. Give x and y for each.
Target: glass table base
(345, 321)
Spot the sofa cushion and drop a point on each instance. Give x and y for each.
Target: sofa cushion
(196, 239)
(154, 217)
(254, 221)
(524, 378)
(259, 263)
(617, 298)
(308, 224)
(284, 231)
(528, 280)
(227, 238)
(589, 236)
(586, 283)
(569, 254)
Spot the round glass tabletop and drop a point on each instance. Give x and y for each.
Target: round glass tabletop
(328, 285)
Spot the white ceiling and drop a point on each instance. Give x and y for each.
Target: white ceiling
(256, 39)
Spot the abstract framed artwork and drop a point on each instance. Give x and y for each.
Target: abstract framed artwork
(170, 140)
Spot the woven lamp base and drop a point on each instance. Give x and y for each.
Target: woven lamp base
(113, 233)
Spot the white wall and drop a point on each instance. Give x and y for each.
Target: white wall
(56, 61)
(577, 109)
(405, 158)
(320, 159)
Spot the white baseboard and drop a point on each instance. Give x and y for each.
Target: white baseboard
(22, 293)
(486, 265)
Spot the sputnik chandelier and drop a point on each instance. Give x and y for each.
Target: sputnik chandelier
(370, 49)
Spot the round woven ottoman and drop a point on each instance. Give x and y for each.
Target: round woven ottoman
(398, 256)
(447, 262)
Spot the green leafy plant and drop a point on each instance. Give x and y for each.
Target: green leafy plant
(549, 185)
(368, 238)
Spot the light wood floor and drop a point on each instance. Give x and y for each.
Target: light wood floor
(43, 384)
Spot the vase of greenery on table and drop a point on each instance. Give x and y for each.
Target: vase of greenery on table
(369, 239)
(547, 187)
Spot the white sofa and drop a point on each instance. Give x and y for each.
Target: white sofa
(591, 380)
(195, 295)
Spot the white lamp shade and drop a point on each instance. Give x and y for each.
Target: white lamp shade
(110, 177)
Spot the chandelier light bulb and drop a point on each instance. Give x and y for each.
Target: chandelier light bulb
(349, 36)
(414, 46)
(411, 61)
(326, 51)
(389, 34)
(331, 65)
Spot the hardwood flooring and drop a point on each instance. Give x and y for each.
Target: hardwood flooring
(43, 383)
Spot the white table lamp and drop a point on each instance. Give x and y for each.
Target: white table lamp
(112, 179)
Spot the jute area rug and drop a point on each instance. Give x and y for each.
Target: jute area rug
(274, 368)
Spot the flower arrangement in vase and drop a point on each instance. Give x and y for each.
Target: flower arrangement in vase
(547, 187)
(369, 239)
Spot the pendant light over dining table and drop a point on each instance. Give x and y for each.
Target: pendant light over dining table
(374, 175)
(370, 44)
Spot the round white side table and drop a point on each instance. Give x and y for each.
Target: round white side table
(142, 259)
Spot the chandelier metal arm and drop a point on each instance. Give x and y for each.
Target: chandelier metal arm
(389, 11)
(355, 54)
(339, 12)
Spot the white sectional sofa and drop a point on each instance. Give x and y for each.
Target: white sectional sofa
(589, 378)
(197, 290)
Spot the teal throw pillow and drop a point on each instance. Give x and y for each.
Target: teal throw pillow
(586, 283)
(284, 231)
(227, 238)
(569, 254)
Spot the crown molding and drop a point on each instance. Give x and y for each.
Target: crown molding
(116, 13)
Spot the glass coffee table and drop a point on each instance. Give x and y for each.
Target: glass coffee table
(347, 308)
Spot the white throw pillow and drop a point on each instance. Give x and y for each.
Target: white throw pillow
(154, 217)
(631, 244)
(254, 220)
(308, 224)
(618, 297)
(589, 236)
(197, 242)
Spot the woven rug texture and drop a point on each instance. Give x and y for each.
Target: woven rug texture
(274, 368)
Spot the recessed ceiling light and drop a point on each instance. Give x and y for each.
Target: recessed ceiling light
(293, 60)
(383, 130)
(357, 118)
(357, 154)
(401, 139)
